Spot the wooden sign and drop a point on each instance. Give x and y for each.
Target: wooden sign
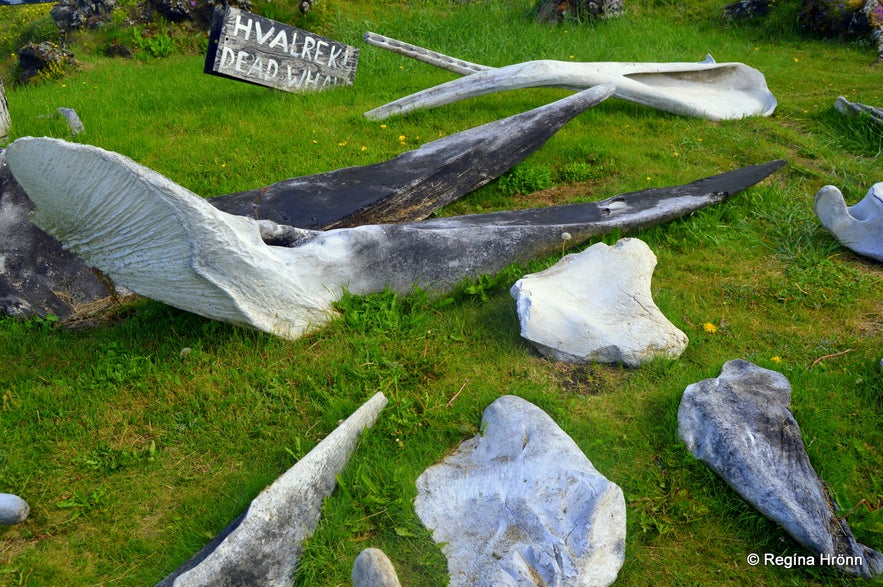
(254, 49)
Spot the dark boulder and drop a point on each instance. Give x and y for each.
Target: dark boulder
(45, 59)
(77, 14)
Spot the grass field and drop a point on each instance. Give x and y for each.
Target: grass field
(136, 440)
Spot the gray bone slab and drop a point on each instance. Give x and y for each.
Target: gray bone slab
(740, 424)
(414, 184)
(262, 546)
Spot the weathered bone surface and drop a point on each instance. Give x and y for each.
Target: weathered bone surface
(596, 306)
(414, 184)
(263, 545)
(39, 277)
(158, 239)
(711, 90)
(844, 106)
(858, 227)
(520, 504)
(740, 424)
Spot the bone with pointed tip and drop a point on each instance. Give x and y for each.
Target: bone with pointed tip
(716, 91)
(858, 227)
(414, 184)
(164, 242)
(262, 546)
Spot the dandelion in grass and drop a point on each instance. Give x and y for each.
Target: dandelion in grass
(382, 126)
(709, 328)
(364, 148)
(776, 359)
(565, 236)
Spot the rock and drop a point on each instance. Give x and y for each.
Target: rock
(873, 10)
(159, 240)
(77, 14)
(34, 59)
(858, 227)
(715, 91)
(823, 18)
(520, 504)
(854, 109)
(374, 569)
(741, 426)
(13, 509)
(262, 546)
(37, 276)
(746, 9)
(73, 120)
(557, 11)
(596, 306)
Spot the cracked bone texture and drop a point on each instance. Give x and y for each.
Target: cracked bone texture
(520, 504)
(596, 306)
(740, 424)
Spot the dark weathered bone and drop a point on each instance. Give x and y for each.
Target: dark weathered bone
(39, 277)
(414, 184)
(162, 241)
(715, 91)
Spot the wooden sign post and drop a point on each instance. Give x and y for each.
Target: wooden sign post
(254, 49)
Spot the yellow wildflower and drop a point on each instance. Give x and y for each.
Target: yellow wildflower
(709, 328)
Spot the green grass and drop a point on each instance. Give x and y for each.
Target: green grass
(135, 441)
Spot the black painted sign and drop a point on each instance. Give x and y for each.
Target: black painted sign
(254, 49)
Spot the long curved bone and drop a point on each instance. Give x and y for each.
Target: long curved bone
(414, 184)
(858, 227)
(715, 91)
(162, 241)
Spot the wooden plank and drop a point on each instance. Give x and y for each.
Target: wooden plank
(254, 49)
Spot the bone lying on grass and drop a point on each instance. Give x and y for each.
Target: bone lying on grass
(164, 242)
(716, 91)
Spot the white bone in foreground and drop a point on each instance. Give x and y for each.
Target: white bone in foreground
(716, 91)
(858, 227)
(162, 241)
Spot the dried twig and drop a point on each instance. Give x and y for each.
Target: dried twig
(822, 358)
(863, 501)
(450, 401)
